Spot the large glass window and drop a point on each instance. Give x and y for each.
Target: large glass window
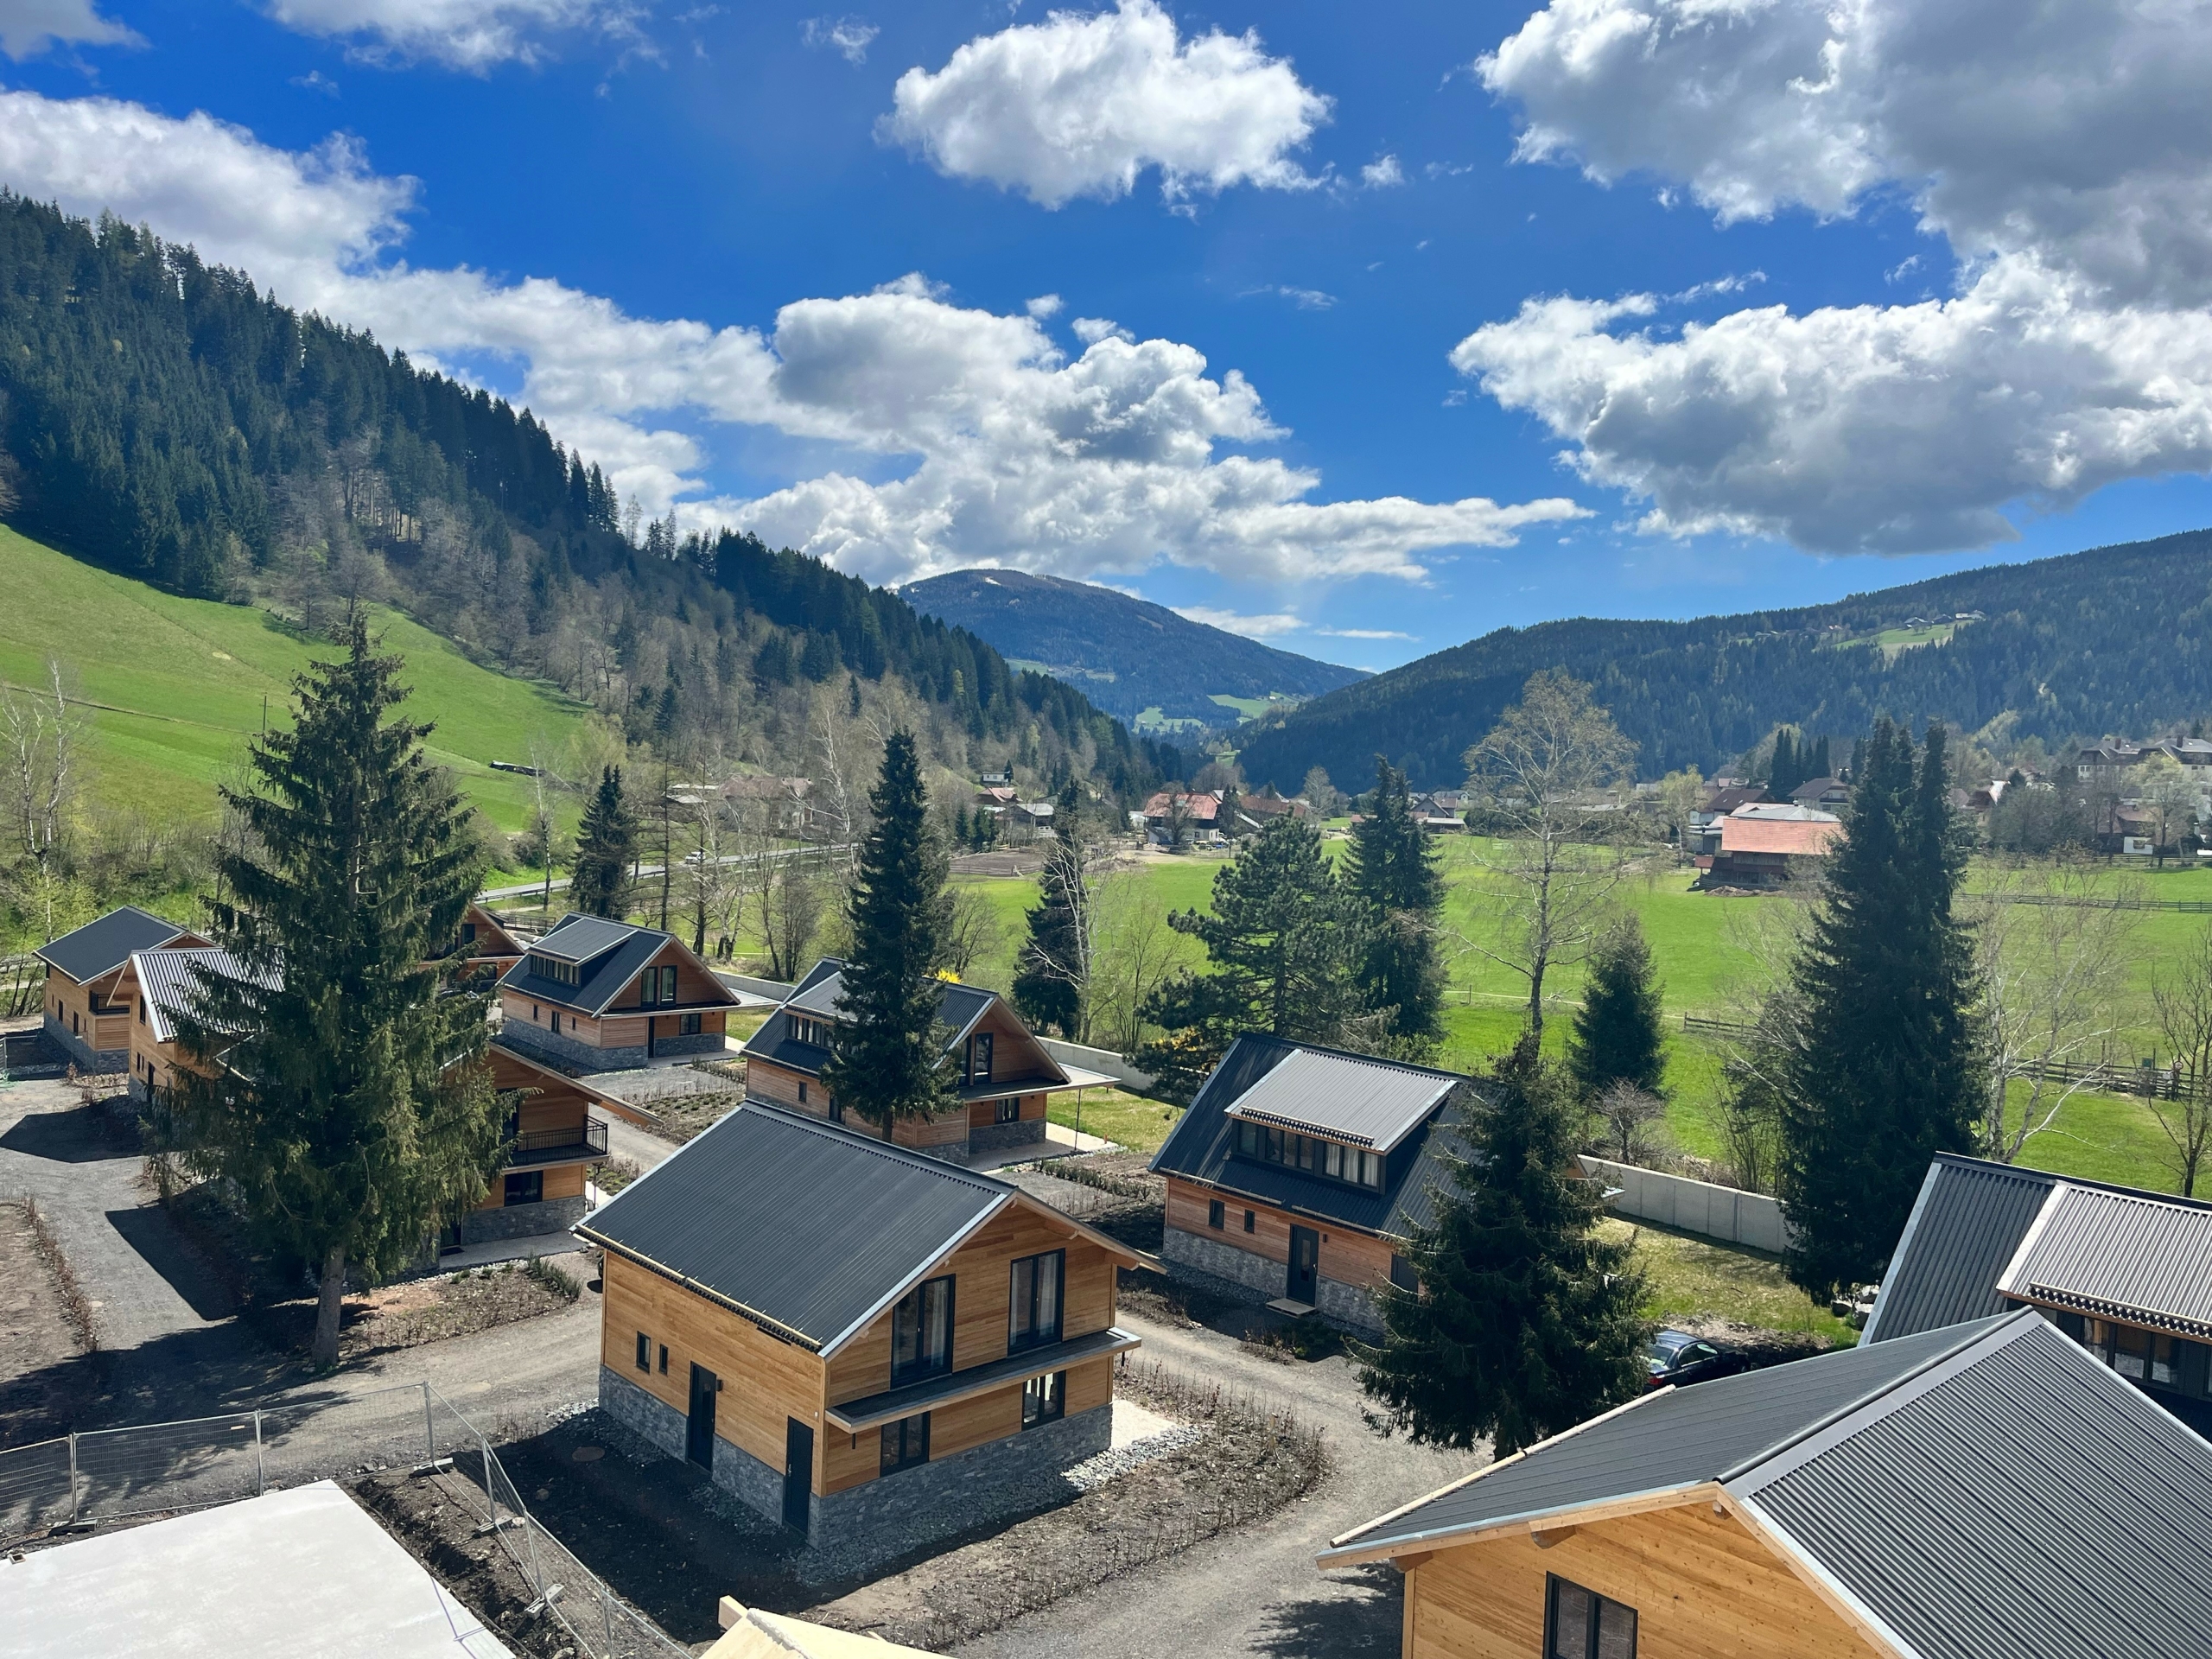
(905, 1443)
(1352, 1165)
(1044, 1398)
(1034, 1317)
(979, 1057)
(1580, 1624)
(921, 1332)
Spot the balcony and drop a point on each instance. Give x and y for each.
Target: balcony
(588, 1140)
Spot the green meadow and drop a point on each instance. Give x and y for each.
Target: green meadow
(173, 687)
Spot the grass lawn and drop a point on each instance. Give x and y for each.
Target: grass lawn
(178, 684)
(1130, 1120)
(1690, 1276)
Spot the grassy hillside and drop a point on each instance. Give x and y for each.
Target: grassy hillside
(176, 685)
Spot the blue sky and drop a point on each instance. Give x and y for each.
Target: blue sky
(1335, 324)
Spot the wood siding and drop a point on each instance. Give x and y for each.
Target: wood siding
(1702, 1587)
(561, 1181)
(982, 1114)
(1348, 1255)
(71, 1005)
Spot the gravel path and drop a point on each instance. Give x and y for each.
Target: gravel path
(626, 1140)
(1255, 1590)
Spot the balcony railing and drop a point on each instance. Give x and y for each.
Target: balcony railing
(559, 1145)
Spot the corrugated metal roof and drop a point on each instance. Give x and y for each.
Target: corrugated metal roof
(578, 937)
(809, 1226)
(2031, 1505)
(1202, 1147)
(1671, 1439)
(609, 956)
(1349, 1097)
(172, 989)
(101, 947)
(2122, 1255)
(960, 1007)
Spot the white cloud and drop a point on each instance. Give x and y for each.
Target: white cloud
(2066, 156)
(1081, 104)
(30, 27)
(1270, 627)
(1013, 453)
(1044, 306)
(1364, 633)
(849, 36)
(1092, 330)
(472, 35)
(1305, 299)
(1382, 172)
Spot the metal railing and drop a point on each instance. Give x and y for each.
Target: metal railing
(81, 1480)
(545, 1146)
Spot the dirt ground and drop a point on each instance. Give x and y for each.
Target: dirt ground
(35, 1332)
(681, 1117)
(431, 1309)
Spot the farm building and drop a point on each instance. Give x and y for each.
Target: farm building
(863, 1343)
(607, 996)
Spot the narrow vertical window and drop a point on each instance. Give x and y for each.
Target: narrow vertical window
(1215, 1214)
(1034, 1311)
(645, 1353)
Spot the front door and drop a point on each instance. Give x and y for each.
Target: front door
(699, 1442)
(798, 1473)
(1305, 1258)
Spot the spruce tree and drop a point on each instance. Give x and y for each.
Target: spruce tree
(1283, 941)
(888, 1059)
(1617, 1035)
(600, 876)
(349, 1106)
(1391, 870)
(1054, 968)
(1888, 1074)
(1525, 1321)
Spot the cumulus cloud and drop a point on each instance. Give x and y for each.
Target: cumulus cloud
(1013, 453)
(30, 27)
(1272, 625)
(1044, 306)
(849, 36)
(1081, 104)
(2065, 155)
(1382, 172)
(472, 35)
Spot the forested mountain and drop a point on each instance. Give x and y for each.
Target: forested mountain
(164, 419)
(1128, 655)
(2116, 639)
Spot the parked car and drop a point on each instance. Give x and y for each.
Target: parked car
(1677, 1359)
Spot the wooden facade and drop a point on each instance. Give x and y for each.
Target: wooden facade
(99, 1012)
(629, 1021)
(1348, 1255)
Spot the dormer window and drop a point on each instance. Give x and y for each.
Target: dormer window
(552, 968)
(805, 1030)
(1354, 1166)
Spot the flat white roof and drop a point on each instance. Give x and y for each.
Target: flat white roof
(300, 1574)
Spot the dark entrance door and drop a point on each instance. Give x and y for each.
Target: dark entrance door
(699, 1442)
(1305, 1256)
(798, 1472)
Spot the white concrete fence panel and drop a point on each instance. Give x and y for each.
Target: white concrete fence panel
(1725, 1214)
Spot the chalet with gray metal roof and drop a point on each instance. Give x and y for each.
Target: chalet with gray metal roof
(1007, 1077)
(869, 1344)
(85, 1015)
(1982, 1491)
(604, 996)
(2127, 1273)
(1298, 1169)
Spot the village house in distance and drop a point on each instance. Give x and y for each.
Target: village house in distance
(1295, 1171)
(1007, 1077)
(607, 996)
(870, 1345)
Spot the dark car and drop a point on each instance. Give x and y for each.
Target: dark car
(1677, 1359)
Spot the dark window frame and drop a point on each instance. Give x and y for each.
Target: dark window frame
(687, 1024)
(903, 1444)
(1006, 1111)
(1044, 1398)
(644, 1353)
(1217, 1215)
(663, 1359)
(1251, 1221)
(1037, 1333)
(914, 1306)
(1332, 1161)
(529, 1182)
(980, 1049)
(1591, 1646)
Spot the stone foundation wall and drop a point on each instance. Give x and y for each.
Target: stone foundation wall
(523, 1220)
(1247, 1276)
(704, 1042)
(1349, 1306)
(536, 1039)
(87, 1057)
(660, 1426)
(996, 1137)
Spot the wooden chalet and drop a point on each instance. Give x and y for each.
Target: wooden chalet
(872, 1346)
(1988, 1489)
(1297, 1171)
(88, 1015)
(552, 1137)
(607, 996)
(493, 949)
(1007, 1077)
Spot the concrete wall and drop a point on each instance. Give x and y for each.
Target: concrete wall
(1098, 1059)
(1716, 1212)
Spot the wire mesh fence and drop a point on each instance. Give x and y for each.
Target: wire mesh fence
(99, 1475)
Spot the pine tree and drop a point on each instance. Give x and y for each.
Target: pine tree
(888, 1057)
(1618, 1035)
(1888, 1073)
(1055, 971)
(1818, 766)
(1524, 1322)
(1391, 870)
(1283, 941)
(606, 851)
(349, 1106)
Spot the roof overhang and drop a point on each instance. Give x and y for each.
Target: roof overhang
(774, 1328)
(856, 1415)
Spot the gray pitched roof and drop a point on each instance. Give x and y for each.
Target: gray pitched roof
(817, 994)
(2119, 1255)
(102, 946)
(1202, 1145)
(608, 954)
(1965, 1226)
(810, 1227)
(1992, 1491)
(1352, 1097)
(171, 987)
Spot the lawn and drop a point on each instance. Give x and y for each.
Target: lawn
(1689, 1276)
(176, 685)
(1126, 1119)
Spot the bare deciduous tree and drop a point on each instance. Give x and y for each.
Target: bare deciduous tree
(1136, 951)
(42, 730)
(972, 928)
(2182, 994)
(1635, 1123)
(1547, 774)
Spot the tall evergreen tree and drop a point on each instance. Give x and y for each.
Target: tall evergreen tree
(1524, 1322)
(600, 876)
(1054, 969)
(348, 1105)
(1618, 1035)
(1782, 775)
(887, 1059)
(1283, 941)
(1391, 870)
(1888, 1074)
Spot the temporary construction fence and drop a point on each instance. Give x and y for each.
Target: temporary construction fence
(99, 1475)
